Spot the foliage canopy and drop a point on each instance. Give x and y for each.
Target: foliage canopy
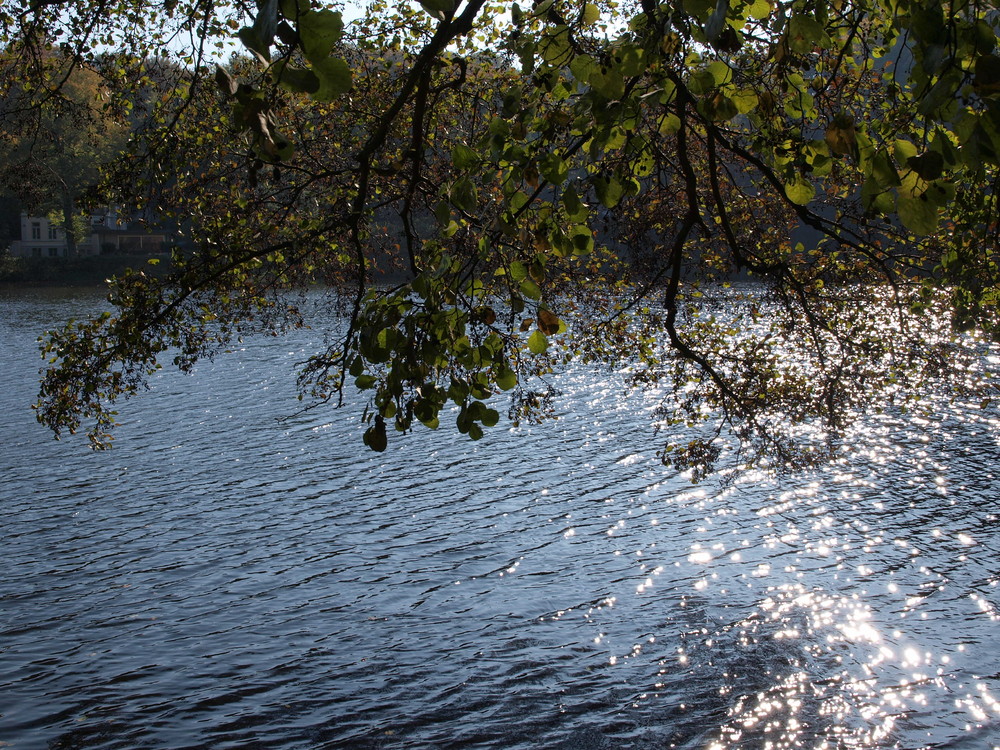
(561, 179)
(52, 147)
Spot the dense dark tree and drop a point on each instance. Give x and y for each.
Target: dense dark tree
(53, 145)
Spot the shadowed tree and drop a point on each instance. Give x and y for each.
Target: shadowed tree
(54, 145)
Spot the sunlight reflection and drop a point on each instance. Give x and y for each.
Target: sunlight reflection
(858, 702)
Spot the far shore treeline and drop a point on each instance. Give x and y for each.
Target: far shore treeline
(84, 271)
(539, 182)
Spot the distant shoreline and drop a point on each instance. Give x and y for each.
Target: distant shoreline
(83, 271)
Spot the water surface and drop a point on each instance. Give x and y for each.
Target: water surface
(236, 575)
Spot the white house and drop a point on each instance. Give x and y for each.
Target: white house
(41, 238)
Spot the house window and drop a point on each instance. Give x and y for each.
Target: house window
(53, 252)
(53, 232)
(36, 252)
(36, 230)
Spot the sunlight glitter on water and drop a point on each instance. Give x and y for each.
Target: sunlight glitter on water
(859, 681)
(785, 714)
(547, 587)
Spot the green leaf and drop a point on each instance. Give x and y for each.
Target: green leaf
(464, 157)
(591, 14)
(721, 72)
(609, 190)
(464, 420)
(505, 378)
(458, 391)
(292, 9)
(882, 170)
(609, 84)
(252, 41)
(438, 8)
(335, 79)
(464, 195)
(575, 209)
(746, 101)
(631, 60)
(537, 342)
(582, 66)
(442, 212)
(518, 272)
(979, 146)
(801, 191)
(700, 9)
(987, 74)
(375, 437)
(670, 124)
(553, 168)
(298, 80)
(530, 289)
(701, 82)
(876, 199)
(759, 9)
(805, 33)
(718, 107)
(319, 31)
(929, 165)
(583, 240)
(917, 212)
(940, 192)
(799, 104)
(943, 145)
(942, 95)
(555, 47)
(283, 149)
(903, 150)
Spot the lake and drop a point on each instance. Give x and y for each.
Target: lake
(238, 574)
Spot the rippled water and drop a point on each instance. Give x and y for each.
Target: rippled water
(223, 579)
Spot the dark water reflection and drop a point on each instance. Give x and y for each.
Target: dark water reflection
(225, 580)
